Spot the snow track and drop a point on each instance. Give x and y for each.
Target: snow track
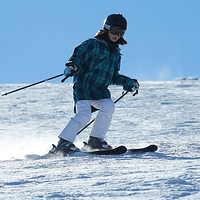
(163, 113)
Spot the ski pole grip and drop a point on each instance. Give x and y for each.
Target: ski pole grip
(64, 79)
(135, 93)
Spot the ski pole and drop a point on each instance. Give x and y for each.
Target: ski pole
(32, 84)
(125, 93)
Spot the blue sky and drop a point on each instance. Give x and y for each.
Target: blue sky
(38, 36)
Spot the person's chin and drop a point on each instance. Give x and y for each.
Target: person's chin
(114, 39)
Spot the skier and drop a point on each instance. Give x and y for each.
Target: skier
(95, 65)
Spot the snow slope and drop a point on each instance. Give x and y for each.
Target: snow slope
(163, 113)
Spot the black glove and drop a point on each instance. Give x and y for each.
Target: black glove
(131, 85)
(136, 85)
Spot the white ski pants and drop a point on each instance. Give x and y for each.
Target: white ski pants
(83, 116)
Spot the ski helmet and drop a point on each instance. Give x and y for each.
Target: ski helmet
(115, 20)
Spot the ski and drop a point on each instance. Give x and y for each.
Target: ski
(150, 148)
(116, 151)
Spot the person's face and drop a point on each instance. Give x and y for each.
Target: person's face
(112, 37)
(114, 33)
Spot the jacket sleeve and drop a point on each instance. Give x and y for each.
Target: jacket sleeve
(119, 79)
(82, 53)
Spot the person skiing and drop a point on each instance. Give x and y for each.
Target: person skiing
(95, 65)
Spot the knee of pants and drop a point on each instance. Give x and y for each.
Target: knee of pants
(108, 106)
(82, 118)
(83, 115)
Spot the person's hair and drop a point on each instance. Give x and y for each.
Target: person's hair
(102, 34)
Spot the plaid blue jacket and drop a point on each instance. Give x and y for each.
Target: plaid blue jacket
(97, 69)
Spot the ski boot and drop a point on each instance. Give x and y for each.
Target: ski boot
(98, 143)
(65, 147)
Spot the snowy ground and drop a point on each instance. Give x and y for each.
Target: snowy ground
(164, 113)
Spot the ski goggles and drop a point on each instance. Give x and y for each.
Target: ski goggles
(117, 31)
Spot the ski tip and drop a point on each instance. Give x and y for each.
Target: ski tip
(150, 148)
(153, 148)
(123, 148)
